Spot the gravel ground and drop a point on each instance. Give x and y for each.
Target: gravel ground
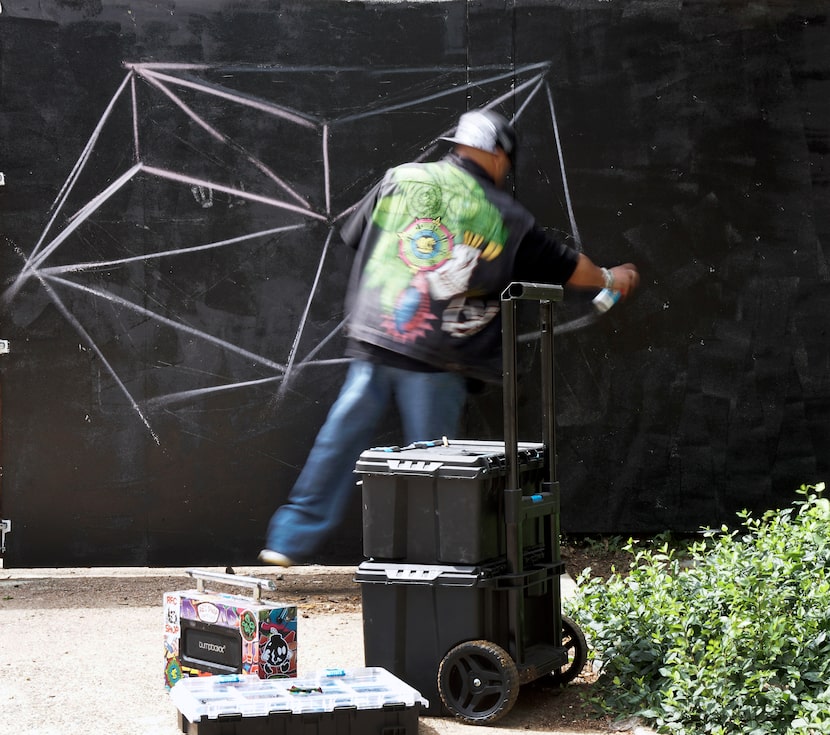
(82, 651)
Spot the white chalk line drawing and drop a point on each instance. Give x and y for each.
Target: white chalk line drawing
(515, 86)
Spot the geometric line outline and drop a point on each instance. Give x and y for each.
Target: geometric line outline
(153, 73)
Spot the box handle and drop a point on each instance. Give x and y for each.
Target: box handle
(414, 466)
(257, 584)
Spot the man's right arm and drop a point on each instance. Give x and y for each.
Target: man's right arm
(623, 278)
(543, 257)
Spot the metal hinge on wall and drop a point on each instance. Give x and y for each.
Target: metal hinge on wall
(5, 527)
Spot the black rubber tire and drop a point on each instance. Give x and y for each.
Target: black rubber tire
(574, 640)
(478, 682)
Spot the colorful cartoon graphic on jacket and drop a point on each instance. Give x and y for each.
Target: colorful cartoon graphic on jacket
(437, 225)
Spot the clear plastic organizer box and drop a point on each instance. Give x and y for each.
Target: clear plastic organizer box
(215, 697)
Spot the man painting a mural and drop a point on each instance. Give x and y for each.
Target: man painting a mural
(436, 245)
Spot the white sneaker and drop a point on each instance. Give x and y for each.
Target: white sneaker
(267, 556)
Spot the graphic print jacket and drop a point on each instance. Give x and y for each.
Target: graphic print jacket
(436, 243)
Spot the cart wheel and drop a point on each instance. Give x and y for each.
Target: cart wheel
(478, 682)
(573, 639)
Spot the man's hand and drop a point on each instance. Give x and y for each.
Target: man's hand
(626, 278)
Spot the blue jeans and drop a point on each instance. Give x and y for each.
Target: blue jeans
(430, 406)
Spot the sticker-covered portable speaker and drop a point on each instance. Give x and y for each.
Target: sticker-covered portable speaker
(208, 633)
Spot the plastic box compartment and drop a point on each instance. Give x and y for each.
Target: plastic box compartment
(436, 503)
(366, 701)
(413, 614)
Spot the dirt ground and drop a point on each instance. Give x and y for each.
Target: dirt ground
(335, 593)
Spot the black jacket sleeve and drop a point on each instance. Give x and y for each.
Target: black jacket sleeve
(359, 220)
(542, 259)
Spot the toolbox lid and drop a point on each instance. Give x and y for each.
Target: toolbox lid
(459, 458)
(227, 695)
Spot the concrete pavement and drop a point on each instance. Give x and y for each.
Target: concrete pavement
(82, 651)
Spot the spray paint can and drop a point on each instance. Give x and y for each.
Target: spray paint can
(605, 299)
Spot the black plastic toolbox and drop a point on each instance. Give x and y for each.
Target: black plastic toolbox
(442, 502)
(414, 614)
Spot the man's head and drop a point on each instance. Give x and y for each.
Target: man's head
(487, 138)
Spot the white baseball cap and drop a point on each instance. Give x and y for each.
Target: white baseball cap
(485, 130)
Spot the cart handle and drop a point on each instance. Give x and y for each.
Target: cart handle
(533, 291)
(545, 294)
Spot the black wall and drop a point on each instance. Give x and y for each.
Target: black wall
(172, 292)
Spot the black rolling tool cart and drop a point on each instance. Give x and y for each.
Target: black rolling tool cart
(461, 594)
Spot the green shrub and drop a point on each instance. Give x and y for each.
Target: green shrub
(734, 639)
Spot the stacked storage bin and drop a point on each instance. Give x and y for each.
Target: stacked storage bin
(460, 589)
(367, 701)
